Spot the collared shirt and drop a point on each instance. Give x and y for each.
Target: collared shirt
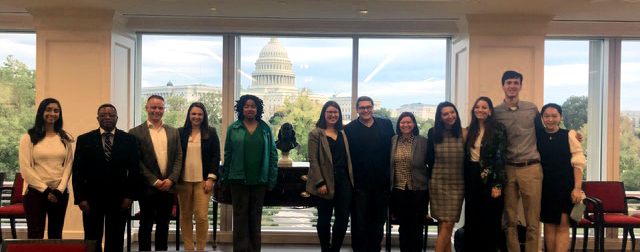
(193, 163)
(159, 140)
(403, 163)
(102, 131)
(521, 130)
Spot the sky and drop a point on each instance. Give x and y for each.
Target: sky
(394, 71)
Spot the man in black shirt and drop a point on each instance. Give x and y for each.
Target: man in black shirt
(370, 147)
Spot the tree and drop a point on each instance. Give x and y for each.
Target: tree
(382, 113)
(213, 103)
(303, 114)
(424, 125)
(629, 155)
(17, 110)
(574, 112)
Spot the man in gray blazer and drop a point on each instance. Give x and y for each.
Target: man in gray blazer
(160, 167)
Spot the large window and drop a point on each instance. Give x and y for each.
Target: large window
(403, 75)
(630, 116)
(17, 102)
(183, 69)
(294, 77)
(566, 83)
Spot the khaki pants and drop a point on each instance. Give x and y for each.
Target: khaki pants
(526, 183)
(193, 202)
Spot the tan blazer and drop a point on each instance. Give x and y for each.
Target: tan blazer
(321, 163)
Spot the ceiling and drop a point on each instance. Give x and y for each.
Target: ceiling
(562, 10)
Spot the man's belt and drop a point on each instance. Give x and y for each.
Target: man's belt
(521, 164)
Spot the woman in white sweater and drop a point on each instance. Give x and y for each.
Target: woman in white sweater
(45, 163)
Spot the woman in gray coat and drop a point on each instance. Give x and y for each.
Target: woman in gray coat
(330, 175)
(409, 190)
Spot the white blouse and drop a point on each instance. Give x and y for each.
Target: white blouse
(475, 151)
(46, 164)
(193, 162)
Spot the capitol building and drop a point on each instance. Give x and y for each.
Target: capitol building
(273, 80)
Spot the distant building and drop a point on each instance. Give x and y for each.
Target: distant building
(419, 110)
(273, 80)
(191, 93)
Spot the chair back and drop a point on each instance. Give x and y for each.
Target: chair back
(611, 193)
(53, 245)
(18, 185)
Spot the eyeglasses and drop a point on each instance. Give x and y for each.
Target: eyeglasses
(365, 108)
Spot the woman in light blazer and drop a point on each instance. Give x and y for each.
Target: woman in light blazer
(330, 175)
(409, 188)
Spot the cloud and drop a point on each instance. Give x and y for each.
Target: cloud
(21, 45)
(566, 75)
(394, 94)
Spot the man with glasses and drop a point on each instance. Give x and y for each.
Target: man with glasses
(370, 147)
(105, 179)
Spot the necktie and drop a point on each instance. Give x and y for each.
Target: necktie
(107, 146)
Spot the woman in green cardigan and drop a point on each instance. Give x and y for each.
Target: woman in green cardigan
(250, 168)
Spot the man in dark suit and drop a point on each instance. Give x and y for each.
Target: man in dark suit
(105, 179)
(370, 147)
(160, 167)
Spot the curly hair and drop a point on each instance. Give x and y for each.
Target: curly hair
(243, 100)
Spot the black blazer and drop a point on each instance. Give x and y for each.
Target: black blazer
(95, 178)
(210, 151)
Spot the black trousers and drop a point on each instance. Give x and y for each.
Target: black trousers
(155, 208)
(409, 208)
(105, 215)
(247, 201)
(483, 213)
(368, 216)
(37, 206)
(341, 202)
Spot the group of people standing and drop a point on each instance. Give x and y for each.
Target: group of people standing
(112, 168)
(360, 170)
(364, 168)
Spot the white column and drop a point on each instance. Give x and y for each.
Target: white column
(85, 59)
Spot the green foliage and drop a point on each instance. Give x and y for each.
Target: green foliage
(17, 110)
(424, 125)
(574, 111)
(383, 113)
(213, 103)
(303, 114)
(629, 155)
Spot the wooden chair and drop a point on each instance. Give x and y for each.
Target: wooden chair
(15, 209)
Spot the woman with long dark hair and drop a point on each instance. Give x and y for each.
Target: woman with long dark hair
(409, 190)
(200, 162)
(562, 163)
(445, 159)
(250, 168)
(45, 163)
(330, 176)
(484, 178)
